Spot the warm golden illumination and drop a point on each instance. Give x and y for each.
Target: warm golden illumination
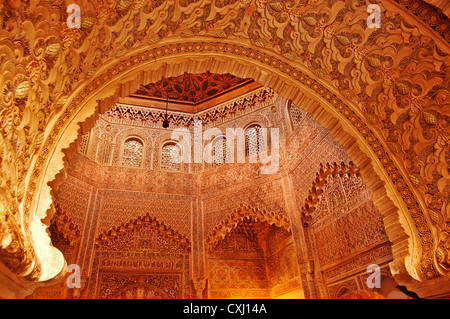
(100, 199)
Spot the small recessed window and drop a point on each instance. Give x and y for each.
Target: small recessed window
(170, 157)
(132, 152)
(254, 140)
(219, 151)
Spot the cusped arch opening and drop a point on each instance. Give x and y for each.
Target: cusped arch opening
(106, 95)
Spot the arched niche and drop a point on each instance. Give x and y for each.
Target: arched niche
(400, 226)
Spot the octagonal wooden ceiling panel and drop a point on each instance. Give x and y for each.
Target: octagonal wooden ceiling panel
(192, 88)
(191, 92)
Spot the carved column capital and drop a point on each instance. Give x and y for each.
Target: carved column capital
(199, 284)
(307, 267)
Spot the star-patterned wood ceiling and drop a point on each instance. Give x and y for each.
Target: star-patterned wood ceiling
(192, 88)
(191, 93)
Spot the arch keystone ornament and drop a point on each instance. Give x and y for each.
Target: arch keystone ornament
(387, 95)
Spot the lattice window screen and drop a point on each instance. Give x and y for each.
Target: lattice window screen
(254, 140)
(84, 143)
(220, 155)
(170, 155)
(296, 115)
(132, 153)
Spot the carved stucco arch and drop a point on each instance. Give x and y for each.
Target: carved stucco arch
(22, 64)
(399, 224)
(313, 198)
(145, 222)
(240, 214)
(415, 204)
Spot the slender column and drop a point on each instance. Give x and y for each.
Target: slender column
(197, 249)
(304, 260)
(88, 241)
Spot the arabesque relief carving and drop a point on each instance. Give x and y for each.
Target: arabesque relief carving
(146, 222)
(393, 85)
(141, 116)
(145, 254)
(321, 180)
(243, 214)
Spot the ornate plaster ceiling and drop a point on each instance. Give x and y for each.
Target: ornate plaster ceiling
(191, 88)
(190, 92)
